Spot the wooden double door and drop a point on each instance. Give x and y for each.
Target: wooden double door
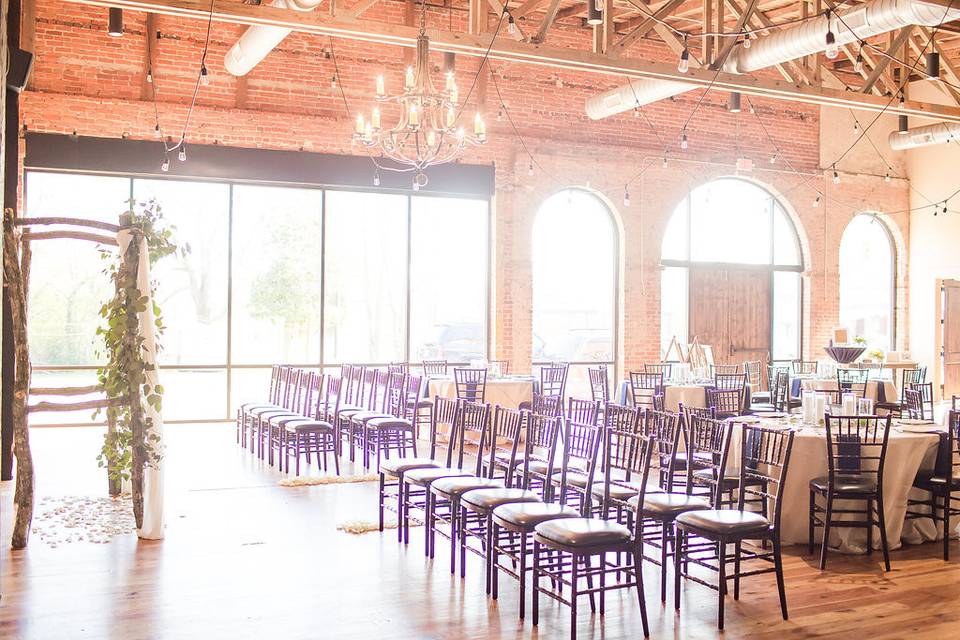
(950, 337)
(729, 309)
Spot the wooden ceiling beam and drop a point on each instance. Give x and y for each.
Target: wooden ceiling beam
(547, 22)
(881, 65)
(644, 27)
(509, 50)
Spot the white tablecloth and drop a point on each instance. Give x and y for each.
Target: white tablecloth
(907, 453)
(507, 392)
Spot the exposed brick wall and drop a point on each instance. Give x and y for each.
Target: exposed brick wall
(87, 82)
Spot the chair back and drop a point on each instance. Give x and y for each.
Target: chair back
(621, 418)
(736, 381)
(707, 449)
(378, 390)
(275, 382)
(289, 378)
(540, 446)
(663, 368)
(330, 407)
(398, 367)
(546, 405)
(804, 367)
(908, 377)
(951, 462)
(643, 387)
(857, 445)
(471, 384)
(354, 377)
(779, 387)
(924, 399)
(444, 414)
(472, 426)
(301, 392)
(581, 446)
(764, 462)
(626, 458)
(507, 425)
(435, 367)
(725, 402)
(725, 369)
(665, 428)
(599, 384)
(553, 380)
(580, 410)
(312, 397)
(414, 390)
(502, 367)
(853, 381)
(395, 394)
(754, 372)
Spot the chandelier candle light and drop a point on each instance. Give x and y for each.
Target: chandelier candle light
(427, 132)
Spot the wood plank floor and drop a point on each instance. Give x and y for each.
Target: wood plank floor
(245, 558)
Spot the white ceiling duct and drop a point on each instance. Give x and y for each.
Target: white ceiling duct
(257, 41)
(807, 38)
(939, 133)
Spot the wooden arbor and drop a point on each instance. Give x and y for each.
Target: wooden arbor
(18, 234)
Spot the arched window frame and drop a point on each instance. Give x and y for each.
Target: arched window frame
(894, 273)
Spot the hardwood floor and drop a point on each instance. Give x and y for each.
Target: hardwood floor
(245, 558)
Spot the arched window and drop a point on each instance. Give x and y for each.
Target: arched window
(731, 273)
(867, 281)
(575, 257)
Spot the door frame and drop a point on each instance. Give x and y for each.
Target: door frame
(940, 365)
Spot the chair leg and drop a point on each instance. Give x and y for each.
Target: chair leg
(811, 522)
(828, 515)
(663, 561)
(678, 548)
(883, 532)
(870, 511)
(493, 560)
(382, 482)
(946, 524)
(336, 458)
(722, 572)
(523, 574)
(736, 570)
(638, 573)
(535, 586)
(574, 579)
(778, 566)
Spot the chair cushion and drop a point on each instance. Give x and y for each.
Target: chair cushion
(419, 404)
(621, 490)
(424, 476)
(928, 479)
(730, 476)
(583, 532)
(265, 408)
(363, 416)
(307, 426)
(528, 515)
(391, 422)
(456, 486)
(846, 484)
(535, 466)
(399, 466)
(669, 504)
(725, 521)
(489, 499)
(575, 478)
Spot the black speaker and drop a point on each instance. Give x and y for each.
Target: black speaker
(21, 63)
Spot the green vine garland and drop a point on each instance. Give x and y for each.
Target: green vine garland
(124, 376)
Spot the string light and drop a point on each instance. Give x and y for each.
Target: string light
(500, 114)
(333, 81)
(683, 142)
(903, 123)
(150, 75)
(816, 203)
(664, 162)
(559, 82)
(626, 197)
(836, 176)
(156, 130)
(858, 64)
(636, 112)
(746, 40)
(773, 159)
(182, 155)
(204, 76)
(856, 127)
(832, 50)
(530, 169)
(165, 165)
(887, 178)
(511, 25)
(376, 178)
(684, 65)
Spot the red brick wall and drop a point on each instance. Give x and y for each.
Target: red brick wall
(87, 82)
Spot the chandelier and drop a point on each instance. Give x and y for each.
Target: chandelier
(427, 132)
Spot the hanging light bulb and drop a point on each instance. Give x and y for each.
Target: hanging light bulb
(156, 130)
(903, 123)
(376, 178)
(683, 142)
(636, 112)
(500, 114)
(664, 162)
(816, 203)
(858, 64)
(684, 65)
(182, 155)
(887, 178)
(832, 50)
(836, 176)
(559, 82)
(165, 165)
(204, 76)
(626, 197)
(746, 40)
(530, 169)
(149, 74)
(594, 13)
(856, 127)
(511, 24)
(773, 159)
(333, 82)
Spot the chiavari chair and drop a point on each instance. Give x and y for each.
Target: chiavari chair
(539, 461)
(394, 469)
(764, 463)
(805, 367)
(907, 377)
(435, 368)
(289, 408)
(620, 482)
(856, 453)
(502, 366)
(853, 381)
(941, 483)
(393, 430)
(726, 403)
(314, 435)
(754, 372)
(273, 392)
(544, 405)
(585, 411)
(726, 369)
(553, 380)
(398, 367)
(708, 440)
(922, 399)
(664, 368)
(564, 550)
(599, 384)
(477, 505)
(581, 446)
(471, 384)
(370, 396)
(644, 387)
(297, 409)
(286, 377)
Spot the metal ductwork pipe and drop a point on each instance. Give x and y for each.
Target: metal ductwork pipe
(858, 23)
(257, 41)
(939, 133)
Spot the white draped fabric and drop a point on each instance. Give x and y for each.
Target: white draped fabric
(153, 523)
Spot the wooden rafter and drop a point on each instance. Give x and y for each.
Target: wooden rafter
(527, 8)
(548, 19)
(881, 65)
(760, 20)
(509, 50)
(359, 8)
(732, 42)
(644, 27)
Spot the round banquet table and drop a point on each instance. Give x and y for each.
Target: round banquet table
(907, 453)
(508, 392)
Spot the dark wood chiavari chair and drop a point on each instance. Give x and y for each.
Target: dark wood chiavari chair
(310, 436)
(398, 367)
(471, 384)
(435, 368)
(564, 549)
(853, 381)
(907, 377)
(545, 405)
(581, 446)
(243, 412)
(370, 396)
(553, 380)
(585, 411)
(301, 408)
(856, 453)
(941, 483)
(663, 368)
(390, 470)
(922, 408)
(394, 429)
(477, 505)
(599, 384)
(644, 387)
(620, 482)
(265, 422)
(764, 463)
(708, 440)
(805, 367)
(726, 403)
(726, 369)
(539, 461)
(284, 387)
(754, 372)
(502, 367)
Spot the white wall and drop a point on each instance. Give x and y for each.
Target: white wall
(934, 173)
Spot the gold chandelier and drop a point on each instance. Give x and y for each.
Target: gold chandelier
(427, 132)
